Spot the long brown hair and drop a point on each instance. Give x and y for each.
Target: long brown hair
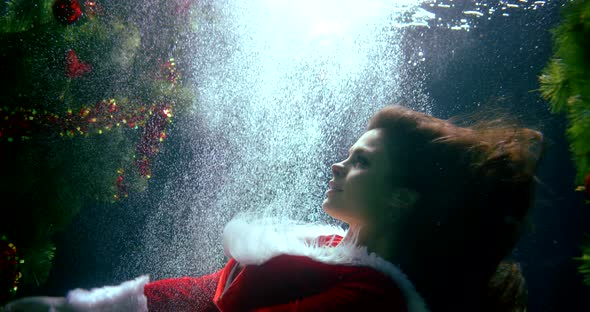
(475, 186)
(507, 289)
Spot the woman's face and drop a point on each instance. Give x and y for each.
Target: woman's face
(361, 189)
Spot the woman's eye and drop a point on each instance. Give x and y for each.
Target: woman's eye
(361, 161)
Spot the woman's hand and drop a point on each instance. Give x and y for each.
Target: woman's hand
(127, 297)
(37, 304)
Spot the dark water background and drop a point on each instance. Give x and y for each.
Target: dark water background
(497, 63)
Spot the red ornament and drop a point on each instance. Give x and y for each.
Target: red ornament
(67, 11)
(75, 68)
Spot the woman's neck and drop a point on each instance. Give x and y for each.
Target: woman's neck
(380, 242)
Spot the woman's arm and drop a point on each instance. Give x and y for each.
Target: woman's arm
(183, 294)
(128, 296)
(36, 304)
(174, 294)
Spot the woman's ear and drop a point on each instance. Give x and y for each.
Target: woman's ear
(404, 197)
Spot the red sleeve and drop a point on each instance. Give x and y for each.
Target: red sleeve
(349, 296)
(183, 294)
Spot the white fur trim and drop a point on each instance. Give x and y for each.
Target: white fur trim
(255, 241)
(251, 241)
(127, 296)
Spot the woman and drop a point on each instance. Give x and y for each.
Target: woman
(507, 289)
(419, 194)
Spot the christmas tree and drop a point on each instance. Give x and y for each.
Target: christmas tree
(84, 108)
(565, 83)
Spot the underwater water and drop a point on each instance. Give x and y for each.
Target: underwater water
(282, 89)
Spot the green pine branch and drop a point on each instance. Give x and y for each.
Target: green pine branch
(24, 15)
(584, 267)
(565, 81)
(565, 84)
(52, 176)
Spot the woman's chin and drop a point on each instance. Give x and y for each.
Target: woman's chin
(330, 209)
(336, 214)
(327, 204)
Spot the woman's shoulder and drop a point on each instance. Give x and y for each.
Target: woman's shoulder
(344, 269)
(308, 284)
(315, 254)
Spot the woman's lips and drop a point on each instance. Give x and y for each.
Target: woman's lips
(332, 191)
(334, 187)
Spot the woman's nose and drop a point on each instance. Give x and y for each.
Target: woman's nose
(337, 169)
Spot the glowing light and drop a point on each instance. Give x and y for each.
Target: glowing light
(289, 78)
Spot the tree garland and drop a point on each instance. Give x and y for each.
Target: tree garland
(9, 268)
(22, 123)
(83, 115)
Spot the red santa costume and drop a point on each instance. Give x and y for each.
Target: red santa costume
(272, 268)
